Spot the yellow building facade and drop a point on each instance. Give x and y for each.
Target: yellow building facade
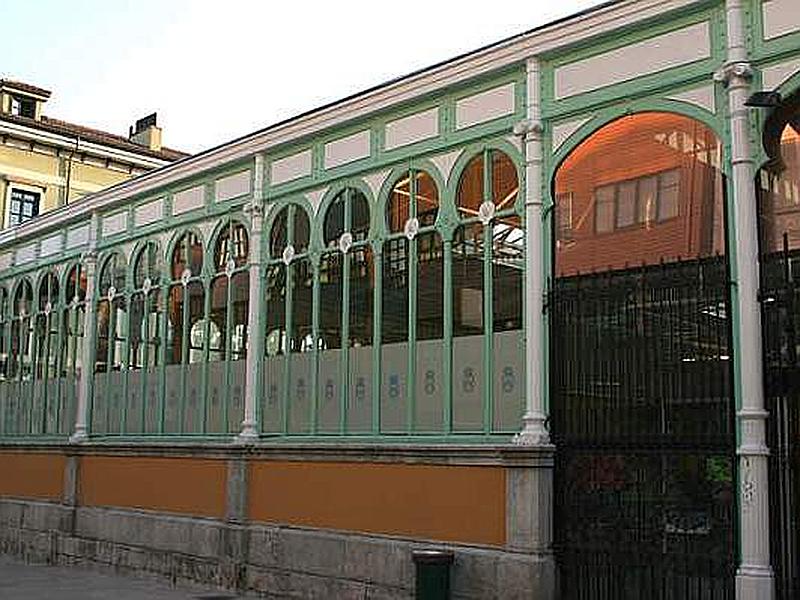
(46, 163)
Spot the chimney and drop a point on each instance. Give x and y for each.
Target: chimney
(146, 133)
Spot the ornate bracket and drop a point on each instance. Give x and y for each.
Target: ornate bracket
(740, 70)
(529, 128)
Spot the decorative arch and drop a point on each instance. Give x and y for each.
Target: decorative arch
(468, 154)
(644, 187)
(281, 211)
(318, 224)
(607, 116)
(177, 236)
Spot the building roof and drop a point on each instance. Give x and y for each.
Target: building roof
(96, 136)
(24, 87)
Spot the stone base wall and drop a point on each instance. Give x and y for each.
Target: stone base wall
(267, 561)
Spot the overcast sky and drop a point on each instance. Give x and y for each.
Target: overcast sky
(215, 70)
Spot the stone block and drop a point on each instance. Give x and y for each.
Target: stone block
(379, 561)
(312, 552)
(474, 574)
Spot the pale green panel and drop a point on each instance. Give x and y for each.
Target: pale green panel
(4, 408)
(237, 390)
(359, 396)
(216, 398)
(100, 404)
(329, 393)
(38, 406)
(152, 412)
(172, 399)
(394, 391)
(271, 410)
(133, 417)
(52, 407)
(428, 409)
(69, 402)
(509, 380)
(468, 383)
(115, 398)
(193, 401)
(300, 392)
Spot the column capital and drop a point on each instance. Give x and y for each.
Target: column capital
(529, 129)
(734, 70)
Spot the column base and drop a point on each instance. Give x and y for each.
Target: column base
(81, 435)
(755, 583)
(249, 433)
(534, 432)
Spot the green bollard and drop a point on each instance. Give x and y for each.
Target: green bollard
(433, 574)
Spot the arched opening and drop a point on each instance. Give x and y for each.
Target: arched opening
(289, 340)
(487, 286)
(144, 350)
(641, 402)
(778, 194)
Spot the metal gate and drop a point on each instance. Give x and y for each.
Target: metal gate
(780, 300)
(643, 421)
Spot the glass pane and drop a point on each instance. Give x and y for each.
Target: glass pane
(361, 285)
(334, 220)
(468, 263)
(275, 306)
(648, 198)
(427, 199)
(330, 311)
(219, 318)
(359, 215)
(508, 245)
(470, 188)
(394, 319)
(504, 181)
(302, 339)
(398, 210)
(301, 234)
(430, 286)
(278, 234)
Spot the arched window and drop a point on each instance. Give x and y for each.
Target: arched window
(289, 311)
(487, 276)
(644, 189)
(230, 293)
(74, 322)
(145, 309)
(346, 316)
(412, 284)
(111, 311)
(186, 300)
(47, 328)
(21, 332)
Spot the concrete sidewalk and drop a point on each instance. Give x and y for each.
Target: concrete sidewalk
(20, 581)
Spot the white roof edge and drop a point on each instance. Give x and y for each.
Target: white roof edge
(540, 41)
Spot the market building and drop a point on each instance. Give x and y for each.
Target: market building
(47, 162)
(534, 305)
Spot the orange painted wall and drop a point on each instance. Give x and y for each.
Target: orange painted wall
(174, 485)
(39, 476)
(448, 503)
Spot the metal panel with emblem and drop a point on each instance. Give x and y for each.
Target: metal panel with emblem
(468, 383)
(394, 395)
(359, 410)
(428, 413)
(300, 393)
(237, 390)
(271, 407)
(329, 393)
(172, 400)
(509, 381)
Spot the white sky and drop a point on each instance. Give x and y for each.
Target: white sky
(215, 70)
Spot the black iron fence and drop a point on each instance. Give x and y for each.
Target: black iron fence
(643, 420)
(780, 301)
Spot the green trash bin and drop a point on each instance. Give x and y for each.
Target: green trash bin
(433, 574)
